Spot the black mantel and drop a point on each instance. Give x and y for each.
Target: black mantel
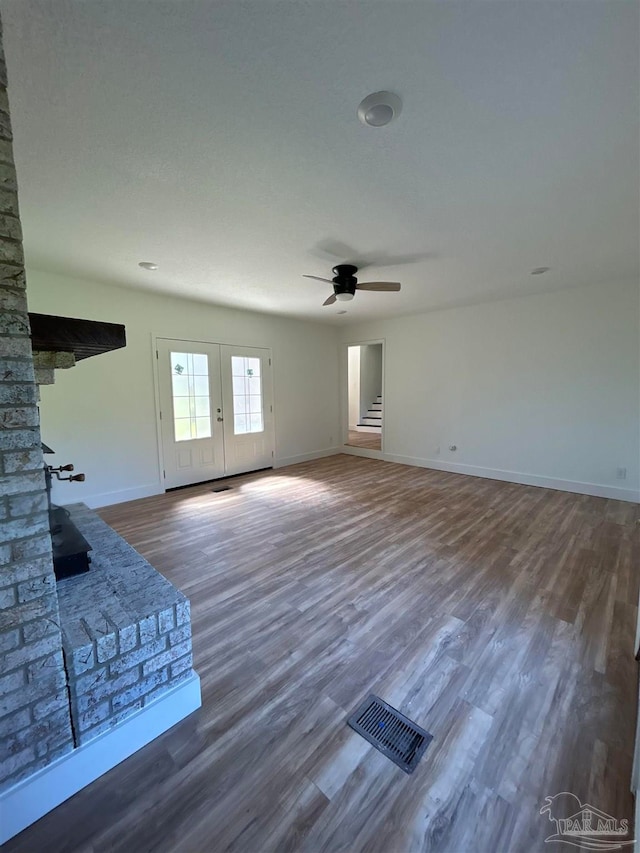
(83, 338)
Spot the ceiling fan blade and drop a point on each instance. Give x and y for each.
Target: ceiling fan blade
(348, 255)
(330, 300)
(317, 278)
(382, 260)
(337, 249)
(379, 285)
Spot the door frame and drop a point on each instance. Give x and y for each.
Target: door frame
(156, 393)
(344, 399)
(156, 401)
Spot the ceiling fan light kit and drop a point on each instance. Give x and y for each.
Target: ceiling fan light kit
(345, 284)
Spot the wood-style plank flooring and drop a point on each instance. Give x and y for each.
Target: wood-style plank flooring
(500, 617)
(370, 440)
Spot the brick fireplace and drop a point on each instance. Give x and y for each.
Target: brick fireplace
(126, 632)
(35, 724)
(96, 666)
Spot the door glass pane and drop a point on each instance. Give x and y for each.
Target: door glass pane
(180, 383)
(247, 395)
(181, 407)
(190, 390)
(203, 428)
(201, 386)
(182, 429)
(239, 405)
(238, 366)
(202, 407)
(200, 365)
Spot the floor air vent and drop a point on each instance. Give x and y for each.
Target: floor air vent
(390, 732)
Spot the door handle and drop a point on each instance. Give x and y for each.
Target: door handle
(219, 420)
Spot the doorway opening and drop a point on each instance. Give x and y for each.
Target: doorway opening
(365, 402)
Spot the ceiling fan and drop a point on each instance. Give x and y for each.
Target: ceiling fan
(345, 283)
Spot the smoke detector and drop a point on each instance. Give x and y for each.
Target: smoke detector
(379, 109)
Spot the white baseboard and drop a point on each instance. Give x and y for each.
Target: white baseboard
(595, 489)
(133, 494)
(579, 487)
(29, 800)
(306, 457)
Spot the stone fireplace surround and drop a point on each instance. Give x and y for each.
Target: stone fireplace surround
(97, 666)
(126, 632)
(126, 646)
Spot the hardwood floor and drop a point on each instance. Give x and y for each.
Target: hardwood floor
(499, 617)
(370, 440)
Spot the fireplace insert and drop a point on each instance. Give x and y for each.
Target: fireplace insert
(70, 548)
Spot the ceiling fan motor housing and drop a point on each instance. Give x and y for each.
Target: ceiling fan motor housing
(345, 280)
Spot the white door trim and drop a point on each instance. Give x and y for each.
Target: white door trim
(156, 399)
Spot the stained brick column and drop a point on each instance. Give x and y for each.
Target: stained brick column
(35, 723)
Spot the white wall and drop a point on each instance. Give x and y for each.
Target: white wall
(101, 414)
(541, 389)
(353, 369)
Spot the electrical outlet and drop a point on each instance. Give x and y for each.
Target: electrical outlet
(330, 441)
(438, 450)
(621, 473)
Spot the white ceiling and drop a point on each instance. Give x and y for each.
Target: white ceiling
(220, 140)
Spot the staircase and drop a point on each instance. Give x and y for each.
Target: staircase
(372, 421)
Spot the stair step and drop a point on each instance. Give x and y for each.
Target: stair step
(370, 427)
(377, 422)
(376, 407)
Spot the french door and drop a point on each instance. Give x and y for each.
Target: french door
(216, 410)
